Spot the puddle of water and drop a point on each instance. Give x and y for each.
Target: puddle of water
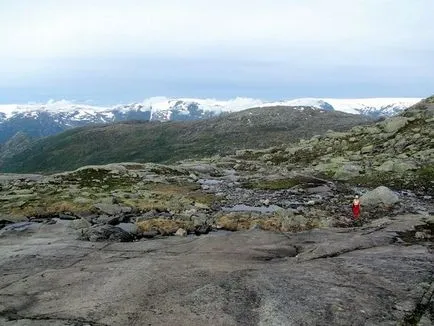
(246, 208)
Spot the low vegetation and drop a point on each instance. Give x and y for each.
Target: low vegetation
(172, 141)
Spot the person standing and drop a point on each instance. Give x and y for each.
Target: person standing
(356, 207)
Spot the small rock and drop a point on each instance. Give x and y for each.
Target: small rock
(420, 235)
(105, 219)
(81, 200)
(318, 190)
(66, 217)
(149, 234)
(147, 216)
(181, 232)
(3, 223)
(202, 229)
(20, 228)
(201, 206)
(129, 227)
(109, 209)
(79, 224)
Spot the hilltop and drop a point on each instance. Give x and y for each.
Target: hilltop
(397, 152)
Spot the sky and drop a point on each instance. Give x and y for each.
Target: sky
(118, 51)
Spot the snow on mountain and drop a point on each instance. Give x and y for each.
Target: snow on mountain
(303, 102)
(39, 120)
(162, 108)
(372, 106)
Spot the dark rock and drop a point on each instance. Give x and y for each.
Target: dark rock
(105, 219)
(3, 223)
(66, 217)
(165, 215)
(319, 190)
(202, 229)
(20, 228)
(106, 232)
(38, 220)
(149, 234)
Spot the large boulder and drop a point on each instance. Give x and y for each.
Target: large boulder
(394, 124)
(397, 166)
(379, 197)
(347, 171)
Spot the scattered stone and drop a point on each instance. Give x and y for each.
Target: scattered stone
(79, 224)
(367, 149)
(147, 216)
(129, 227)
(98, 233)
(181, 232)
(149, 234)
(63, 216)
(81, 200)
(3, 223)
(319, 190)
(106, 219)
(347, 171)
(20, 228)
(112, 209)
(202, 229)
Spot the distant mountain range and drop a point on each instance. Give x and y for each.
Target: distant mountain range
(40, 120)
(153, 141)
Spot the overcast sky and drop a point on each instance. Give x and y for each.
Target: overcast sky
(113, 51)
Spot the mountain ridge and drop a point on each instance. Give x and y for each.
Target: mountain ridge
(169, 141)
(41, 120)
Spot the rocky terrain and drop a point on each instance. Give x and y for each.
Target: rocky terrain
(88, 247)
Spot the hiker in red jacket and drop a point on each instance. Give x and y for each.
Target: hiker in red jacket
(356, 207)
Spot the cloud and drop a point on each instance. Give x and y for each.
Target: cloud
(138, 44)
(189, 28)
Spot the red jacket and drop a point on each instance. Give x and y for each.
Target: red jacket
(356, 208)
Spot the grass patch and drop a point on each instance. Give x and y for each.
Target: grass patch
(49, 206)
(164, 226)
(278, 222)
(99, 177)
(421, 180)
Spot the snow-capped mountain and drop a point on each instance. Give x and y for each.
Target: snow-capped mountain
(39, 120)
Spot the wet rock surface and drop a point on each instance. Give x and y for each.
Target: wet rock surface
(378, 274)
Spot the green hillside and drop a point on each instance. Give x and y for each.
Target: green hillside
(165, 142)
